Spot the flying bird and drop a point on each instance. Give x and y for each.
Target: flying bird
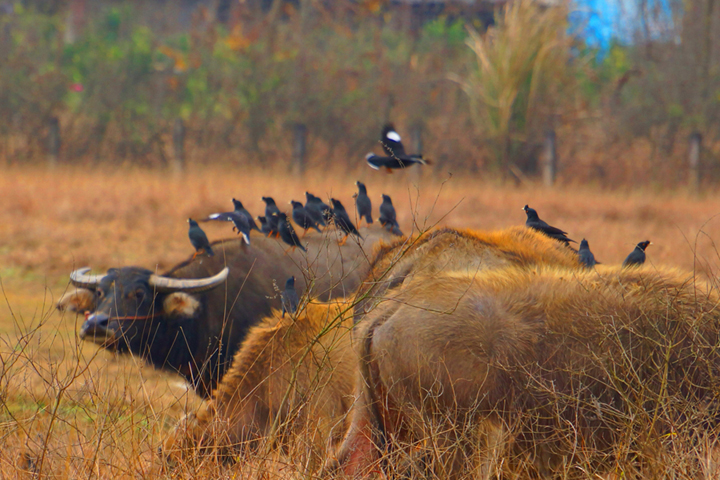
(637, 256)
(387, 216)
(198, 239)
(302, 217)
(271, 212)
(395, 151)
(289, 297)
(585, 255)
(287, 232)
(363, 203)
(342, 220)
(534, 222)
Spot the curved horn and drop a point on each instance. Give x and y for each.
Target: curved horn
(80, 278)
(189, 285)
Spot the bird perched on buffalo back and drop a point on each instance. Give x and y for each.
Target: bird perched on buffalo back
(301, 216)
(342, 220)
(198, 239)
(271, 211)
(533, 221)
(287, 232)
(585, 256)
(230, 216)
(637, 256)
(265, 227)
(363, 203)
(393, 147)
(318, 209)
(289, 297)
(387, 216)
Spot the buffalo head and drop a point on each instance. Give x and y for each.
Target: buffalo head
(127, 307)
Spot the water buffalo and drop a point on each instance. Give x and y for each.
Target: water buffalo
(192, 319)
(586, 369)
(292, 375)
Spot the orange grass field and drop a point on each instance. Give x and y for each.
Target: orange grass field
(69, 410)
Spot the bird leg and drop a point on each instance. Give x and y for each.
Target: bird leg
(359, 222)
(194, 255)
(292, 248)
(344, 240)
(388, 170)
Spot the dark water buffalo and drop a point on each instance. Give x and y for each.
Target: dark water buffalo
(192, 319)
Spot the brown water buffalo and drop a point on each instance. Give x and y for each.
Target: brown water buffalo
(580, 368)
(193, 318)
(293, 374)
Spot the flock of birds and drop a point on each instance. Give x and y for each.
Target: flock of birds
(586, 257)
(316, 214)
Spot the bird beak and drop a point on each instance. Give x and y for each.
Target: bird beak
(354, 195)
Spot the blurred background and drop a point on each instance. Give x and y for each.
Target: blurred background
(608, 92)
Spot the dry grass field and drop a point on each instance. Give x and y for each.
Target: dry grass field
(68, 410)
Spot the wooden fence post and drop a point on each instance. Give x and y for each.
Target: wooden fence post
(694, 161)
(299, 148)
(549, 165)
(53, 141)
(178, 146)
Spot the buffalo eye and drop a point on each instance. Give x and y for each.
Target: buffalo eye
(99, 293)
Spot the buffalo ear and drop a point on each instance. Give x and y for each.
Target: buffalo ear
(78, 300)
(180, 304)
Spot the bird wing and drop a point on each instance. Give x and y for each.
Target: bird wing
(222, 217)
(392, 144)
(375, 162)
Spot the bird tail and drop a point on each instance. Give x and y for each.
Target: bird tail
(209, 251)
(246, 237)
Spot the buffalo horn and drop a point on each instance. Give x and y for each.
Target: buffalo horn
(189, 285)
(80, 278)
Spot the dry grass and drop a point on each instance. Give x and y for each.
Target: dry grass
(71, 411)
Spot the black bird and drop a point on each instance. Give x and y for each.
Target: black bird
(637, 256)
(396, 156)
(318, 209)
(302, 217)
(271, 211)
(287, 232)
(265, 227)
(387, 216)
(534, 222)
(363, 203)
(289, 297)
(198, 239)
(586, 256)
(342, 220)
(231, 216)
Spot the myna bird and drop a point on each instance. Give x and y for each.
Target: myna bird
(289, 297)
(363, 203)
(585, 256)
(229, 216)
(534, 222)
(271, 211)
(637, 256)
(301, 216)
(198, 239)
(396, 156)
(314, 205)
(287, 232)
(265, 227)
(387, 216)
(342, 220)
(242, 225)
